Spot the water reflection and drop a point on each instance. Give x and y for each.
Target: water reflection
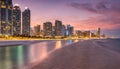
(38, 52)
(58, 45)
(20, 56)
(43, 53)
(5, 58)
(8, 59)
(76, 40)
(70, 41)
(17, 57)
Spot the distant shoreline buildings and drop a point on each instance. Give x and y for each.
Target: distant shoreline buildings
(62, 31)
(58, 30)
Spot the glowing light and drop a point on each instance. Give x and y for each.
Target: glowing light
(26, 8)
(76, 40)
(20, 55)
(58, 45)
(8, 61)
(44, 54)
(17, 5)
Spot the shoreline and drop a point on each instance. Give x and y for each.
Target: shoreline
(4, 43)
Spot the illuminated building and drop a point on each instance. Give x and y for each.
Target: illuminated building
(53, 30)
(70, 30)
(63, 31)
(31, 32)
(6, 7)
(47, 27)
(99, 32)
(93, 35)
(78, 33)
(37, 30)
(16, 20)
(86, 34)
(58, 28)
(26, 22)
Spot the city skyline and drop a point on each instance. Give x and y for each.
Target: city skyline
(83, 15)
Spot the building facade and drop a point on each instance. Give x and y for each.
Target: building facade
(16, 20)
(58, 28)
(99, 32)
(47, 27)
(6, 7)
(63, 31)
(70, 30)
(26, 18)
(37, 30)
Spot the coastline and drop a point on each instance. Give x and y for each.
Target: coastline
(13, 42)
(4, 43)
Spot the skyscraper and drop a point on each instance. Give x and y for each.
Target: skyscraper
(70, 30)
(37, 30)
(63, 30)
(99, 32)
(16, 20)
(26, 22)
(47, 27)
(58, 28)
(6, 7)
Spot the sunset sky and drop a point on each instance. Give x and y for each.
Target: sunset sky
(82, 14)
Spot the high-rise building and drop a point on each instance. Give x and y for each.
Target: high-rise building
(26, 22)
(63, 30)
(99, 32)
(70, 30)
(31, 32)
(37, 30)
(58, 28)
(6, 7)
(47, 27)
(16, 20)
(53, 30)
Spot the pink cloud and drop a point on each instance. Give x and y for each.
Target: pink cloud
(108, 19)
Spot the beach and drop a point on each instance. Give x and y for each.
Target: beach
(85, 54)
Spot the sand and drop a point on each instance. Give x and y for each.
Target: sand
(87, 54)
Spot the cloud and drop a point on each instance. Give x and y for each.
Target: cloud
(95, 22)
(104, 7)
(85, 6)
(109, 12)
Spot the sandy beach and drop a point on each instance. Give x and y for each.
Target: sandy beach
(87, 54)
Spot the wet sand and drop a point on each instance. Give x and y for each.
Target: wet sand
(87, 54)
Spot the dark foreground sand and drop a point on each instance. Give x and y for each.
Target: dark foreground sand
(88, 54)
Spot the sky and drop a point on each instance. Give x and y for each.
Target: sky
(82, 14)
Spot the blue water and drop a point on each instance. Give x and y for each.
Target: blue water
(18, 57)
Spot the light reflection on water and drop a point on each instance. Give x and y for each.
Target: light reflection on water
(7, 55)
(17, 57)
(76, 40)
(34, 50)
(58, 45)
(20, 55)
